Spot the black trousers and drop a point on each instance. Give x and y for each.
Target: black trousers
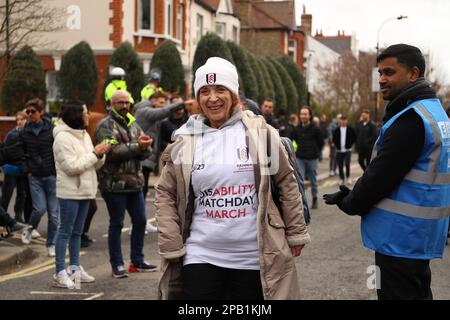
(90, 215)
(146, 172)
(364, 158)
(343, 158)
(208, 282)
(403, 279)
(20, 184)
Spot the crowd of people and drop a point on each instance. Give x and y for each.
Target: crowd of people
(217, 156)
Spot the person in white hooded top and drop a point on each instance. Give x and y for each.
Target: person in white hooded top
(76, 161)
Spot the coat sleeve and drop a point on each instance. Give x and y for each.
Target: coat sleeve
(290, 199)
(170, 239)
(70, 161)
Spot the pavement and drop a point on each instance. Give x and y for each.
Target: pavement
(14, 254)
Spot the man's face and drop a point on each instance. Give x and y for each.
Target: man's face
(121, 103)
(158, 102)
(20, 121)
(343, 122)
(395, 77)
(267, 108)
(34, 115)
(305, 117)
(215, 103)
(365, 117)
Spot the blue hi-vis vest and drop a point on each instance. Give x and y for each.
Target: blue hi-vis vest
(412, 221)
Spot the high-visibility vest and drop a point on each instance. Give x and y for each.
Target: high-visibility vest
(113, 86)
(148, 90)
(412, 222)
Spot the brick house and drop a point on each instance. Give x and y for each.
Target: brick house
(269, 28)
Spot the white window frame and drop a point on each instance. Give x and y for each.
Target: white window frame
(223, 26)
(292, 49)
(180, 16)
(52, 85)
(152, 15)
(235, 34)
(168, 18)
(199, 24)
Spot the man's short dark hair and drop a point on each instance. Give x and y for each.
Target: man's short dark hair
(365, 111)
(72, 114)
(157, 95)
(407, 55)
(268, 100)
(37, 103)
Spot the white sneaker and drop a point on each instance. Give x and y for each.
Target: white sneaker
(341, 182)
(62, 280)
(84, 276)
(35, 234)
(26, 235)
(150, 228)
(51, 251)
(349, 181)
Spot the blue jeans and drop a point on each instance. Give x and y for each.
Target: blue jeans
(308, 168)
(72, 215)
(117, 203)
(43, 196)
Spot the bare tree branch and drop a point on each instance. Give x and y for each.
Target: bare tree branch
(26, 19)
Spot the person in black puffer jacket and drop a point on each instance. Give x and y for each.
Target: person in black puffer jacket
(309, 141)
(39, 166)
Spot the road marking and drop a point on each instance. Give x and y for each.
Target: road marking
(98, 295)
(128, 229)
(49, 264)
(92, 295)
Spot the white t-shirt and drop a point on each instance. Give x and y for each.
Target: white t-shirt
(223, 229)
(343, 139)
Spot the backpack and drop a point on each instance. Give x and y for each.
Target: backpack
(287, 143)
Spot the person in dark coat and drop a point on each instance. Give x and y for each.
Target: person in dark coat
(309, 142)
(343, 139)
(366, 135)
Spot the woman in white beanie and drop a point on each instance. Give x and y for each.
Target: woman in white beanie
(221, 235)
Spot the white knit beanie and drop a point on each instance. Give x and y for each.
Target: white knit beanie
(219, 72)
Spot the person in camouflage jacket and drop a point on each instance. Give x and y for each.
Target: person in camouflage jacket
(121, 181)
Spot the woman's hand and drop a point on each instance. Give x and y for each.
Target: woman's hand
(101, 149)
(296, 251)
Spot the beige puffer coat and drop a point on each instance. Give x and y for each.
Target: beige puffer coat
(75, 163)
(276, 232)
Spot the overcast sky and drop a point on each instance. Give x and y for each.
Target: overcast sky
(427, 25)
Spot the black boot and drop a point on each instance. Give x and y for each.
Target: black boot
(314, 204)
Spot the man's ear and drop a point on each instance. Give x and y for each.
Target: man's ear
(414, 74)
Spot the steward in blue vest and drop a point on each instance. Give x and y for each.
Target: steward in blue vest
(404, 195)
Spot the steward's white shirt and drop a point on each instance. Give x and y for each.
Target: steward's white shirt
(223, 229)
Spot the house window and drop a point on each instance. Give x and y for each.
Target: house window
(221, 30)
(52, 87)
(168, 29)
(180, 23)
(235, 34)
(292, 49)
(145, 13)
(199, 27)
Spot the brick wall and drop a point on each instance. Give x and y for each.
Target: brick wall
(265, 43)
(116, 6)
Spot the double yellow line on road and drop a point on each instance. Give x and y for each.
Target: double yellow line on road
(47, 265)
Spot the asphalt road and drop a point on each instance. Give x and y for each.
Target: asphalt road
(334, 266)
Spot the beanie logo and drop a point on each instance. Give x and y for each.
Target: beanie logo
(211, 78)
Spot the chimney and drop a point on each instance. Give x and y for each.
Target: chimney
(306, 22)
(339, 33)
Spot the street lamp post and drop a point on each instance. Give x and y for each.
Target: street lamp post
(400, 17)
